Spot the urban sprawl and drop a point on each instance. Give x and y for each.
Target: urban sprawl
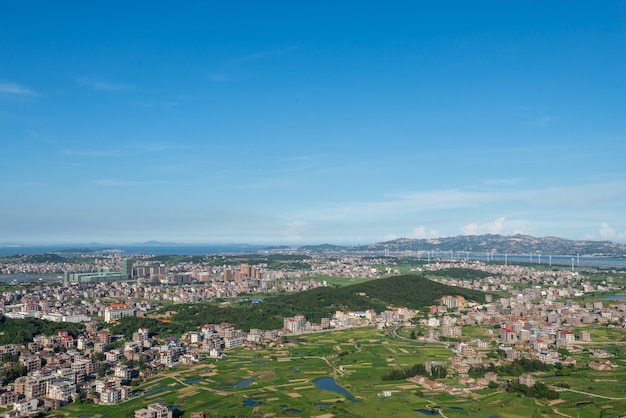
(534, 321)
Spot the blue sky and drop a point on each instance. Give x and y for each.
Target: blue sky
(311, 122)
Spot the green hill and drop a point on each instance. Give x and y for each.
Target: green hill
(33, 258)
(412, 291)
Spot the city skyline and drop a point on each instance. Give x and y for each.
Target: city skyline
(311, 123)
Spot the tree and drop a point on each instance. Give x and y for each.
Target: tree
(438, 371)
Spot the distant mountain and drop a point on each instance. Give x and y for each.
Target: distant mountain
(321, 247)
(153, 244)
(276, 247)
(516, 244)
(73, 251)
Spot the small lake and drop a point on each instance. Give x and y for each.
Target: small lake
(155, 390)
(328, 383)
(252, 402)
(427, 412)
(244, 382)
(290, 410)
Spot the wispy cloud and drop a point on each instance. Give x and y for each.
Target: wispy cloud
(264, 54)
(131, 150)
(93, 153)
(102, 85)
(267, 184)
(231, 70)
(541, 122)
(411, 204)
(16, 89)
(126, 183)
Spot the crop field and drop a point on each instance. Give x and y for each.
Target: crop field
(282, 382)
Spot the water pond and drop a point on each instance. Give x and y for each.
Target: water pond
(427, 411)
(252, 402)
(290, 410)
(328, 383)
(244, 382)
(155, 390)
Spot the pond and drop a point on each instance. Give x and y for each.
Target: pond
(328, 383)
(155, 390)
(252, 402)
(290, 410)
(427, 411)
(193, 381)
(244, 382)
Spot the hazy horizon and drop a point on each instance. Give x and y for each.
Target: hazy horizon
(149, 243)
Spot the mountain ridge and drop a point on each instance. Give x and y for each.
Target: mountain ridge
(514, 244)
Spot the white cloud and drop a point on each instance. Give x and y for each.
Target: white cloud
(16, 89)
(495, 227)
(294, 230)
(607, 232)
(421, 232)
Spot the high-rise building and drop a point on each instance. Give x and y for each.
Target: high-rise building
(245, 270)
(127, 268)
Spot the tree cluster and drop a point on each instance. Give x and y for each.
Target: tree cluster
(437, 371)
(539, 390)
(22, 331)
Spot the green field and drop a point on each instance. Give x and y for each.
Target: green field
(282, 384)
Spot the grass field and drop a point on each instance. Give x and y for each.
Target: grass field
(280, 382)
